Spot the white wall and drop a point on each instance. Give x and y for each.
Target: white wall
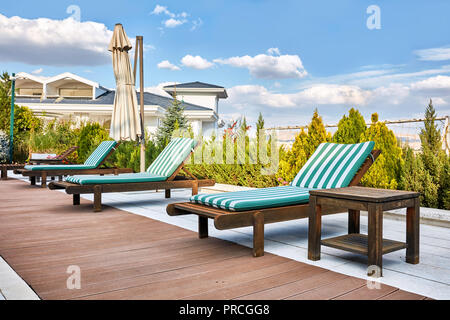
(208, 100)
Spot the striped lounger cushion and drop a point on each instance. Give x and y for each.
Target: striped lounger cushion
(121, 178)
(160, 170)
(94, 160)
(331, 166)
(254, 199)
(172, 156)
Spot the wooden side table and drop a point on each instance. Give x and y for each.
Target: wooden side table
(375, 201)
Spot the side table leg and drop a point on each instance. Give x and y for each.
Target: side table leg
(315, 229)
(412, 232)
(353, 221)
(375, 238)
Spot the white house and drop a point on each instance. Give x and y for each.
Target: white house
(68, 96)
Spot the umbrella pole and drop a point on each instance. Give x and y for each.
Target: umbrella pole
(11, 124)
(140, 40)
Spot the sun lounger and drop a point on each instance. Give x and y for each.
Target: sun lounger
(162, 174)
(59, 159)
(93, 165)
(331, 166)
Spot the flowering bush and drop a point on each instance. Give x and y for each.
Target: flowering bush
(4, 147)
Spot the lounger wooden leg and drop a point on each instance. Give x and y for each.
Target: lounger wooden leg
(97, 198)
(33, 181)
(258, 234)
(167, 193)
(412, 233)
(353, 221)
(4, 174)
(202, 227)
(44, 179)
(314, 229)
(76, 199)
(194, 187)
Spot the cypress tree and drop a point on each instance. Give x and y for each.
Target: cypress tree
(430, 135)
(173, 119)
(350, 128)
(386, 171)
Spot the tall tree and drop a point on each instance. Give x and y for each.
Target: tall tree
(386, 171)
(430, 135)
(435, 161)
(350, 128)
(173, 119)
(316, 133)
(259, 131)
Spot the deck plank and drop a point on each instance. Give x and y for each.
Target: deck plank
(127, 256)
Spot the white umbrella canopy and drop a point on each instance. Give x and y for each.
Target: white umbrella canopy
(125, 121)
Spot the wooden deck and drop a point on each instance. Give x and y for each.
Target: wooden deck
(126, 256)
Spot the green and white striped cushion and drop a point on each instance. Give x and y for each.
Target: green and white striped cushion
(254, 199)
(100, 153)
(58, 167)
(172, 157)
(333, 165)
(121, 178)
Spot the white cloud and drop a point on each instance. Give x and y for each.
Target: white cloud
(265, 66)
(176, 19)
(54, 42)
(37, 71)
(162, 9)
(167, 65)
(434, 54)
(438, 82)
(333, 94)
(320, 94)
(196, 62)
(172, 23)
(158, 89)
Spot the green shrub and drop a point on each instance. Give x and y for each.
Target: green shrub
(129, 152)
(91, 135)
(56, 137)
(350, 128)
(4, 148)
(386, 171)
(416, 178)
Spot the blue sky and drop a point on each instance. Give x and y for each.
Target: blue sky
(281, 58)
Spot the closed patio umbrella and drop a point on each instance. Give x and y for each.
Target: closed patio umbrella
(125, 122)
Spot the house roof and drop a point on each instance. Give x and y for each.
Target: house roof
(68, 75)
(195, 85)
(107, 98)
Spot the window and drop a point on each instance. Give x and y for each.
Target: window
(68, 92)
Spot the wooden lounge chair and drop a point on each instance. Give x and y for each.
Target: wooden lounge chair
(331, 166)
(162, 174)
(59, 159)
(93, 165)
(5, 167)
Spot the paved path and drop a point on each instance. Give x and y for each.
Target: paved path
(122, 255)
